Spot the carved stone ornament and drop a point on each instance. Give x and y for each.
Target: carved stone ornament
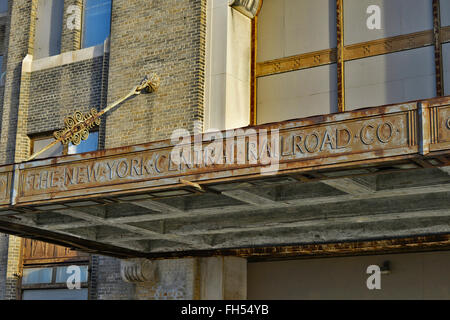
(138, 270)
(250, 8)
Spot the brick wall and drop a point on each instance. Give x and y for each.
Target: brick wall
(13, 267)
(166, 37)
(3, 263)
(106, 281)
(19, 33)
(58, 92)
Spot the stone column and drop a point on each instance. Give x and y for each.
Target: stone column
(216, 278)
(223, 278)
(228, 66)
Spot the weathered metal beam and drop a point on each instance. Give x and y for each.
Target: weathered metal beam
(388, 45)
(157, 206)
(125, 227)
(333, 224)
(375, 134)
(297, 62)
(251, 198)
(350, 52)
(350, 186)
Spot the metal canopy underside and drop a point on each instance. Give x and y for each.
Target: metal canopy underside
(378, 173)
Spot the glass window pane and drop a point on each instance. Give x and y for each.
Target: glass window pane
(390, 78)
(446, 62)
(62, 274)
(97, 22)
(291, 27)
(55, 294)
(35, 276)
(3, 6)
(91, 144)
(397, 17)
(290, 95)
(445, 13)
(2, 74)
(40, 144)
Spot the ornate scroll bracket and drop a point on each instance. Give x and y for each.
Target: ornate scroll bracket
(78, 125)
(249, 8)
(138, 270)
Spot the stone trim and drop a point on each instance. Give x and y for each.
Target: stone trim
(68, 58)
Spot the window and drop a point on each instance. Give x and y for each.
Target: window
(3, 6)
(49, 23)
(2, 74)
(97, 22)
(40, 142)
(298, 45)
(50, 283)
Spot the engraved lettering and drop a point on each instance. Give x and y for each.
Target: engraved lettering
(43, 180)
(83, 175)
(171, 162)
(308, 139)
(69, 176)
(111, 169)
(327, 140)
(122, 169)
(159, 167)
(148, 166)
(135, 166)
(252, 152)
(289, 152)
(53, 183)
(364, 131)
(339, 138)
(93, 172)
(297, 144)
(381, 132)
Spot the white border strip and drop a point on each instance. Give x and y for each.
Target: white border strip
(69, 57)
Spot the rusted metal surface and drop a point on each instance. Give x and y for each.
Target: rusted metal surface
(340, 54)
(6, 174)
(38, 252)
(67, 241)
(445, 34)
(440, 126)
(135, 201)
(253, 73)
(298, 62)
(388, 45)
(438, 48)
(355, 51)
(333, 139)
(366, 135)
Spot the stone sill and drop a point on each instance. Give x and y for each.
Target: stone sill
(29, 65)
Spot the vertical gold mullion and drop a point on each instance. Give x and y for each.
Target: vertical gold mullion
(438, 48)
(340, 54)
(253, 71)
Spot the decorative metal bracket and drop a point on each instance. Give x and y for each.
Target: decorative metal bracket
(77, 126)
(249, 8)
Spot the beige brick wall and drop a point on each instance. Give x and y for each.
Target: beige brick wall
(166, 37)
